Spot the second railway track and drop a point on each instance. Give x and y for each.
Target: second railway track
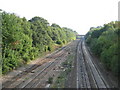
(88, 75)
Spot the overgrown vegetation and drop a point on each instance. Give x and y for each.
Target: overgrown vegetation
(50, 80)
(24, 40)
(103, 42)
(60, 82)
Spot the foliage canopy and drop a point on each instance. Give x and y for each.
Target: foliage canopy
(103, 41)
(24, 40)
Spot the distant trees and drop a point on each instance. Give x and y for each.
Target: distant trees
(103, 41)
(24, 40)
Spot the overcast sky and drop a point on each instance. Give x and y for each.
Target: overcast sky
(78, 15)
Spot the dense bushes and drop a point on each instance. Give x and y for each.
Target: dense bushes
(24, 40)
(103, 41)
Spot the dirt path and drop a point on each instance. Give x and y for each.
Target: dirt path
(71, 79)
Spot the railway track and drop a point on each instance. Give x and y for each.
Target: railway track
(82, 76)
(88, 75)
(34, 76)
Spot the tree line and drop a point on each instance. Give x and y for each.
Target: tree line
(103, 42)
(24, 40)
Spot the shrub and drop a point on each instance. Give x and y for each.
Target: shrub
(50, 80)
(58, 42)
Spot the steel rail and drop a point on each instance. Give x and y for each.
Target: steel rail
(100, 82)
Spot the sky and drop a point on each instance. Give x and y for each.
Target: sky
(78, 15)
